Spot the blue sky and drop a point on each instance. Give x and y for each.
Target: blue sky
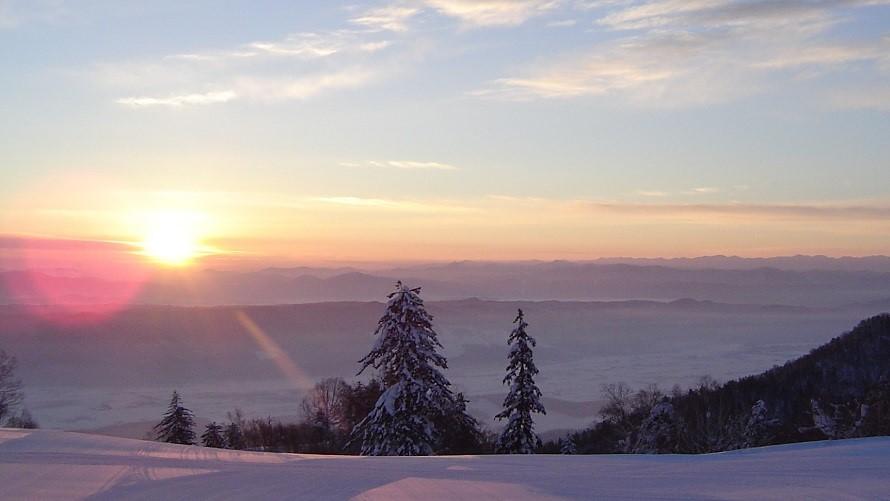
(589, 128)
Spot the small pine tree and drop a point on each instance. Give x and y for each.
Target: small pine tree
(177, 425)
(213, 436)
(567, 446)
(524, 397)
(760, 429)
(416, 394)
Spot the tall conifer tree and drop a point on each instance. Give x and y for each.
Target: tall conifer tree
(416, 394)
(524, 397)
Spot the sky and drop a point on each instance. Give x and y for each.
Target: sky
(302, 131)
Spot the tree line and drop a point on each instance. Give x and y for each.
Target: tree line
(839, 390)
(408, 408)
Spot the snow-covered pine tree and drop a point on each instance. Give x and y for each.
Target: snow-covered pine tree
(524, 397)
(662, 432)
(759, 428)
(213, 436)
(416, 394)
(177, 425)
(567, 446)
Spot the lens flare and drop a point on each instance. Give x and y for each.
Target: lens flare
(289, 369)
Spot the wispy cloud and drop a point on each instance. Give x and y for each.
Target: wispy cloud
(662, 69)
(262, 88)
(705, 212)
(375, 46)
(694, 52)
(178, 101)
(408, 164)
(387, 18)
(796, 57)
(298, 66)
(789, 14)
(492, 12)
(397, 16)
(402, 164)
(16, 242)
(869, 98)
(394, 205)
(305, 45)
(750, 212)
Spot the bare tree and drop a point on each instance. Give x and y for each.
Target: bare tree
(325, 404)
(708, 383)
(618, 404)
(10, 386)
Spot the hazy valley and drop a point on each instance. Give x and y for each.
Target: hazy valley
(86, 370)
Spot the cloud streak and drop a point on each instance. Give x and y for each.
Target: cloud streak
(179, 101)
(751, 212)
(402, 164)
(673, 53)
(388, 18)
(296, 67)
(478, 13)
(408, 206)
(873, 212)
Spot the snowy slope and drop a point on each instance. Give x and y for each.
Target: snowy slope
(60, 465)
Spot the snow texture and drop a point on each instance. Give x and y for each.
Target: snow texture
(53, 465)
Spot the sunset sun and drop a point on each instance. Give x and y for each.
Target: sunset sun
(172, 239)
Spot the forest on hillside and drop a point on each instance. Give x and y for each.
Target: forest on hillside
(838, 390)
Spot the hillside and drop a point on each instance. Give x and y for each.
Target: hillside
(838, 390)
(54, 465)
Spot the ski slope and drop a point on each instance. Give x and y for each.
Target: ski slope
(43, 464)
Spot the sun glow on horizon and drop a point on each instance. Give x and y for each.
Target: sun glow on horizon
(173, 238)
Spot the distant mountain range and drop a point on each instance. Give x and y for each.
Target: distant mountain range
(799, 262)
(797, 280)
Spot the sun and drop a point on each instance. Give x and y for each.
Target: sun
(172, 239)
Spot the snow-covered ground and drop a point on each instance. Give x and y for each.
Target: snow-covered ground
(46, 464)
